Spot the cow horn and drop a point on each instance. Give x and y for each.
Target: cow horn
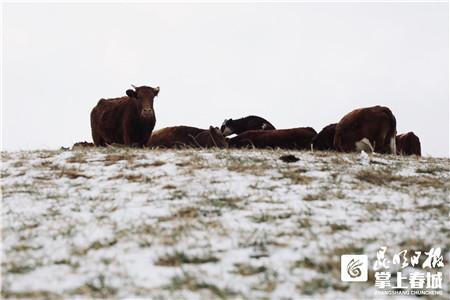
(157, 88)
(134, 87)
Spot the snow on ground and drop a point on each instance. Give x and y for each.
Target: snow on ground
(213, 223)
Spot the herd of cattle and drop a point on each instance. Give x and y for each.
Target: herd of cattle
(130, 121)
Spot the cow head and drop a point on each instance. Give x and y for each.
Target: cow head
(227, 127)
(143, 96)
(218, 138)
(324, 139)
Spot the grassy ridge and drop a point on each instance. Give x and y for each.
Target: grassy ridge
(211, 223)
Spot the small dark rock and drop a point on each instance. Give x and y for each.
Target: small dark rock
(289, 158)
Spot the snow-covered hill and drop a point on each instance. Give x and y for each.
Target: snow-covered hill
(212, 223)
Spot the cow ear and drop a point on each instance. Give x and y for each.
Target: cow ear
(156, 91)
(131, 93)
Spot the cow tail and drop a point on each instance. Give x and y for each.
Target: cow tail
(392, 132)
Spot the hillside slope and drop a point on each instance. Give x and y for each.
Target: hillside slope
(211, 223)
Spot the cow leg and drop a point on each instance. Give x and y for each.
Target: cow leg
(127, 134)
(383, 145)
(393, 145)
(98, 141)
(127, 140)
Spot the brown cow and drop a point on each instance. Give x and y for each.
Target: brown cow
(127, 120)
(295, 138)
(186, 136)
(408, 144)
(370, 129)
(324, 139)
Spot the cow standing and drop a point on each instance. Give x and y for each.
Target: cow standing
(127, 120)
(408, 144)
(370, 129)
(241, 125)
(295, 138)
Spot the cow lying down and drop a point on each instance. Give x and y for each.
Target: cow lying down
(186, 136)
(294, 138)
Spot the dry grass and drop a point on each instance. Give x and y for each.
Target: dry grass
(157, 163)
(244, 269)
(72, 173)
(178, 258)
(192, 283)
(111, 159)
(314, 286)
(377, 176)
(295, 176)
(78, 157)
(433, 169)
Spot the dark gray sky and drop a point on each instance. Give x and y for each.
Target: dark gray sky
(296, 64)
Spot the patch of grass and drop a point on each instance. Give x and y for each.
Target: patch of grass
(94, 246)
(45, 164)
(432, 169)
(324, 194)
(138, 178)
(72, 173)
(98, 287)
(18, 164)
(192, 283)
(248, 270)
(305, 262)
(304, 222)
(376, 176)
(313, 197)
(425, 182)
(113, 158)
(443, 208)
(223, 202)
(67, 261)
(170, 236)
(314, 286)
(375, 206)
(56, 196)
(169, 187)
(262, 218)
(18, 268)
(248, 165)
(179, 258)
(183, 164)
(415, 244)
(337, 252)
(16, 188)
(34, 294)
(295, 176)
(339, 227)
(157, 163)
(330, 265)
(384, 177)
(177, 194)
(267, 283)
(183, 213)
(78, 157)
